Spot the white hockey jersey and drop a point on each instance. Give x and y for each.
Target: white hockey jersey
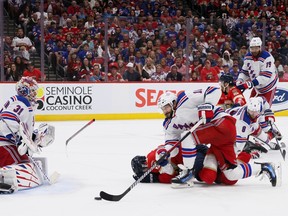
(17, 109)
(186, 113)
(245, 126)
(261, 71)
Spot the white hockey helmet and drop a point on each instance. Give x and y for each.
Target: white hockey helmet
(27, 87)
(255, 104)
(255, 42)
(166, 98)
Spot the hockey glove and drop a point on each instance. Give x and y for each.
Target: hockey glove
(244, 85)
(159, 154)
(205, 111)
(269, 116)
(139, 165)
(150, 178)
(274, 133)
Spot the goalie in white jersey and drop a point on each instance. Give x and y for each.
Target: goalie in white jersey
(258, 72)
(218, 130)
(19, 140)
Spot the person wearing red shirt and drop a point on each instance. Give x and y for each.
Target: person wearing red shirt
(33, 72)
(208, 73)
(73, 8)
(196, 66)
(231, 96)
(114, 75)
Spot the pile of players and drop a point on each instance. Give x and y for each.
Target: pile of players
(232, 134)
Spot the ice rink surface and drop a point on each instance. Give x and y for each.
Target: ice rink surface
(99, 158)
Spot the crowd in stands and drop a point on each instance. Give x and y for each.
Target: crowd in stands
(145, 40)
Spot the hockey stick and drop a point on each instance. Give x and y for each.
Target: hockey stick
(282, 151)
(54, 176)
(275, 111)
(110, 197)
(263, 143)
(90, 122)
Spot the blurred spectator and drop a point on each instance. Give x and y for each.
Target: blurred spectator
(227, 59)
(121, 67)
(33, 72)
(20, 66)
(159, 75)
(97, 75)
(8, 45)
(73, 8)
(148, 69)
(285, 75)
(131, 74)
(114, 75)
(208, 73)
(279, 67)
(85, 70)
(12, 73)
(196, 67)
(219, 67)
(73, 74)
(25, 17)
(174, 75)
(181, 68)
(165, 67)
(22, 45)
(226, 70)
(194, 77)
(234, 71)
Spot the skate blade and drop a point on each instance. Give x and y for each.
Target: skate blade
(278, 170)
(184, 185)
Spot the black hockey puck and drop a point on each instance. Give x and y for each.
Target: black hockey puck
(97, 198)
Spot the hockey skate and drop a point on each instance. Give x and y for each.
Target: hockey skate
(6, 188)
(272, 171)
(184, 179)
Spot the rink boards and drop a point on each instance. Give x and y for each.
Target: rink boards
(112, 101)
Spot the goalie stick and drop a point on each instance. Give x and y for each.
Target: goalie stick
(81, 129)
(110, 197)
(54, 176)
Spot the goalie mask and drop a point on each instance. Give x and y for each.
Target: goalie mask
(166, 103)
(27, 87)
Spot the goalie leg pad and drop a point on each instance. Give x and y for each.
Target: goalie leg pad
(22, 176)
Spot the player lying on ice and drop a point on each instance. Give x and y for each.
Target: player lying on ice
(218, 130)
(19, 140)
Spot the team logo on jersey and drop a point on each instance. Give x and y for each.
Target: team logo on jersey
(281, 96)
